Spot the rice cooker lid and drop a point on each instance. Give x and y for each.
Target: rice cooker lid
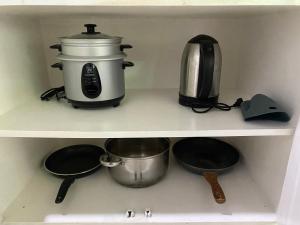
(90, 36)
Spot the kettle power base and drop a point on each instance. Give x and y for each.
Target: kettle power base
(98, 104)
(196, 102)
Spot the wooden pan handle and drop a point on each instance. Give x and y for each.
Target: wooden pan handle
(212, 179)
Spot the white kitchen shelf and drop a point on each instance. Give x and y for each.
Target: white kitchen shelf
(180, 197)
(149, 2)
(143, 113)
(177, 8)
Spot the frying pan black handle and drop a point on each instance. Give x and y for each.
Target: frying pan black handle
(64, 189)
(212, 179)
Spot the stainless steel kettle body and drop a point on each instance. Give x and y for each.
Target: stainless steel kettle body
(200, 72)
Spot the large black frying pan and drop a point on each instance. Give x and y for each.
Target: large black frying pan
(208, 157)
(72, 162)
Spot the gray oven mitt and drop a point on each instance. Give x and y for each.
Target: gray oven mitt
(261, 107)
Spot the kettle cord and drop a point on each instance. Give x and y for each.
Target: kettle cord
(220, 106)
(58, 92)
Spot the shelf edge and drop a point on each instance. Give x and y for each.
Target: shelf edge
(148, 3)
(131, 134)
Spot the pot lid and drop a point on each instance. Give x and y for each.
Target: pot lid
(91, 36)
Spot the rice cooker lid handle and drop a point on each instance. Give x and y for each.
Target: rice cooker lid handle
(90, 29)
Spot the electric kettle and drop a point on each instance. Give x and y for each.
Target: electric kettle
(200, 72)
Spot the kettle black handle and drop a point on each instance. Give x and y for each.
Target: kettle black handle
(206, 69)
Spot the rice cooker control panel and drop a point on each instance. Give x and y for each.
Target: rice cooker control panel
(90, 81)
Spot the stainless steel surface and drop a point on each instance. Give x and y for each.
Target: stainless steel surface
(91, 58)
(137, 147)
(214, 91)
(148, 213)
(111, 76)
(130, 213)
(104, 52)
(90, 44)
(91, 39)
(144, 160)
(190, 76)
(90, 49)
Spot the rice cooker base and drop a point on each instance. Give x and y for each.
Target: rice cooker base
(112, 102)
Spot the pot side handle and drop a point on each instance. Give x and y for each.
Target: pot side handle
(56, 46)
(105, 161)
(122, 47)
(57, 65)
(127, 64)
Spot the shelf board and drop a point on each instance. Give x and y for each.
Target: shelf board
(143, 113)
(99, 199)
(149, 2)
(175, 8)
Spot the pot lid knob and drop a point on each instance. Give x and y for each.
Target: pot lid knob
(90, 29)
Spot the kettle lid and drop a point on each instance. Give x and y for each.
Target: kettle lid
(201, 39)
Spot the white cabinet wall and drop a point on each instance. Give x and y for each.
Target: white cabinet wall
(259, 47)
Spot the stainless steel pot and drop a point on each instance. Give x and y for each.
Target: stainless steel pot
(93, 68)
(136, 162)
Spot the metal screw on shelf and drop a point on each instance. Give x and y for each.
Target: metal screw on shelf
(130, 213)
(148, 213)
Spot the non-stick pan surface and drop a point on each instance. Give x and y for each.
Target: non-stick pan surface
(205, 154)
(73, 162)
(208, 157)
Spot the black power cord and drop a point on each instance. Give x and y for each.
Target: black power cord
(58, 92)
(220, 106)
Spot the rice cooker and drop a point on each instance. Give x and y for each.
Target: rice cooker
(93, 68)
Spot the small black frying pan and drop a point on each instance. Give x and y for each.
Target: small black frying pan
(208, 157)
(72, 162)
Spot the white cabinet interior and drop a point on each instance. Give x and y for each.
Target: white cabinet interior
(141, 114)
(252, 188)
(260, 55)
